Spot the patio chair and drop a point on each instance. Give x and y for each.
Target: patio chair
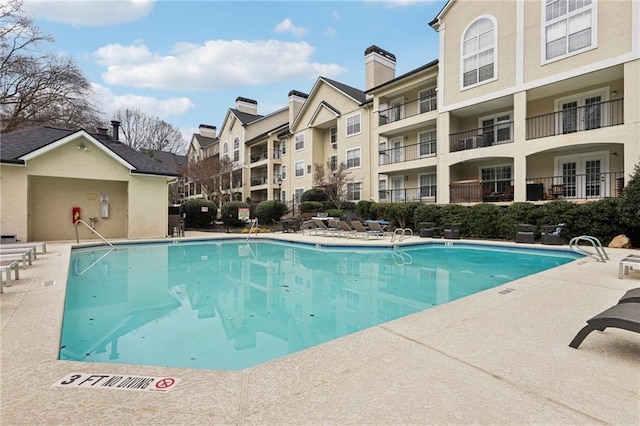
(364, 233)
(375, 226)
(631, 296)
(346, 230)
(551, 234)
(625, 316)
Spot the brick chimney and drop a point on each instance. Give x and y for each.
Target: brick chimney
(379, 65)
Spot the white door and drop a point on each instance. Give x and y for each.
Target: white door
(397, 189)
(397, 151)
(583, 177)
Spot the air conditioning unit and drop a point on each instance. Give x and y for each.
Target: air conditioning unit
(470, 143)
(334, 145)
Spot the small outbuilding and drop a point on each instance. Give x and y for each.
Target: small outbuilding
(49, 176)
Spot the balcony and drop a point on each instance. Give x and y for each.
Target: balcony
(407, 110)
(576, 187)
(259, 180)
(425, 194)
(497, 134)
(408, 153)
(258, 157)
(579, 119)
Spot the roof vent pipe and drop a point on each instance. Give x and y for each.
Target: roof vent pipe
(115, 132)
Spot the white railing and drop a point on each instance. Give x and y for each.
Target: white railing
(92, 230)
(599, 254)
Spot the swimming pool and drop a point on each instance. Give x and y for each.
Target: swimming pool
(229, 304)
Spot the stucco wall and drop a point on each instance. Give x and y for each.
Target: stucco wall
(148, 213)
(13, 201)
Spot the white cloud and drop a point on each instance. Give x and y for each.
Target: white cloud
(91, 13)
(163, 108)
(216, 64)
(286, 26)
(331, 32)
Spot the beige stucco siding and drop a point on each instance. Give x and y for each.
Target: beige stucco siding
(13, 201)
(52, 199)
(457, 20)
(148, 213)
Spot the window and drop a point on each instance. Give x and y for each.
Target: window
(354, 190)
(569, 27)
(353, 158)
(299, 142)
(299, 168)
(384, 155)
(584, 111)
(283, 147)
(236, 149)
(225, 150)
(333, 135)
(496, 179)
(353, 125)
(427, 142)
(496, 129)
(333, 163)
(427, 100)
(297, 195)
(283, 195)
(478, 53)
(382, 189)
(427, 186)
(283, 172)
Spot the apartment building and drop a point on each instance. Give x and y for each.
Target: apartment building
(527, 101)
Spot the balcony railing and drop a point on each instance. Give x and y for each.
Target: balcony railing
(579, 119)
(576, 187)
(408, 152)
(425, 194)
(259, 157)
(259, 180)
(406, 110)
(496, 134)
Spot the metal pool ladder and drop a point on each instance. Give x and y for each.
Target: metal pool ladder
(254, 224)
(401, 233)
(599, 254)
(92, 230)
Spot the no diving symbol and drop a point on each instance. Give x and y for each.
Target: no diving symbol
(165, 383)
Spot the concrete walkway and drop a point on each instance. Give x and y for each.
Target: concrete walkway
(493, 358)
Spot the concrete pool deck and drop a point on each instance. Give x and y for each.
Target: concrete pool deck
(496, 357)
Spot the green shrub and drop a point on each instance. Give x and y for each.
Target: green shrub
(363, 208)
(600, 219)
(455, 213)
(484, 220)
(199, 213)
(269, 211)
(311, 207)
(229, 213)
(426, 213)
(315, 194)
(629, 207)
(334, 213)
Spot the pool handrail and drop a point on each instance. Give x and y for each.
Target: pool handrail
(92, 230)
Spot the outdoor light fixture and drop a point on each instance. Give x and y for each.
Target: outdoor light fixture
(82, 147)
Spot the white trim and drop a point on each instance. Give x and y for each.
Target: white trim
(295, 137)
(72, 137)
(295, 169)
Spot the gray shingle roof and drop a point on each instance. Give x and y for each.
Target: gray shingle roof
(17, 144)
(245, 118)
(173, 161)
(356, 94)
(205, 141)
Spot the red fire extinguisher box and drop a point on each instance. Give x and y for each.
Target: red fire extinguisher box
(75, 214)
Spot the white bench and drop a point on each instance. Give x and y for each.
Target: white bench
(630, 261)
(5, 267)
(30, 252)
(35, 244)
(24, 257)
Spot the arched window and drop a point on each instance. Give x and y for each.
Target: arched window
(479, 52)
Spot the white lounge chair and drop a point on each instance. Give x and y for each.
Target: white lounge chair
(36, 244)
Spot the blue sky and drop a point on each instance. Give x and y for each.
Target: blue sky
(187, 61)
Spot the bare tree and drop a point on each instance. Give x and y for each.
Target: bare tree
(214, 175)
(333, 183)
(141, 131)
(35, 87)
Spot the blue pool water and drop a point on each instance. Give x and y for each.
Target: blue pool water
(232, 304)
